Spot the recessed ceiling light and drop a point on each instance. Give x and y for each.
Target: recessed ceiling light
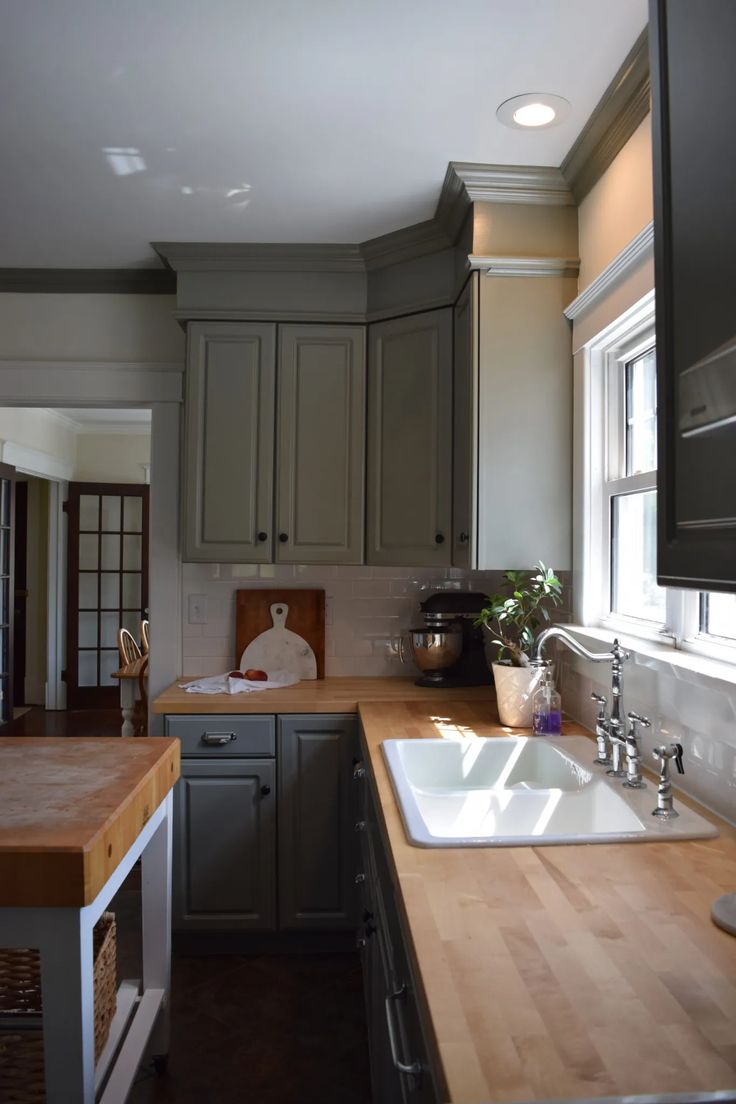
(533, 109)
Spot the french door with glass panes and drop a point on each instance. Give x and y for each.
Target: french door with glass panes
(7, 555)
(107, 585)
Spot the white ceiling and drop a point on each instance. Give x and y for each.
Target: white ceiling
(134, 420)
(271, 120)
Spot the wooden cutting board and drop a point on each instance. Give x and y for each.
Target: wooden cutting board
(306, 618)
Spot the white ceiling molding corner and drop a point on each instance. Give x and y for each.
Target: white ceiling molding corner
(512, 184)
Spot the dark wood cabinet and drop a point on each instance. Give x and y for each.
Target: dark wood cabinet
(694, 122)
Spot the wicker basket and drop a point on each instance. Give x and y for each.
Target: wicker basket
(21, 1050)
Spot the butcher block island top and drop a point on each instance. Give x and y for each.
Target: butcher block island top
(328, 695)
(562, 972)
(70, 808)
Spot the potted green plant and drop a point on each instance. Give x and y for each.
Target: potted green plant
(513, 618)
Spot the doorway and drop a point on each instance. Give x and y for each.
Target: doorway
(51, 645)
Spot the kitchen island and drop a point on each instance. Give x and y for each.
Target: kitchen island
(572, 972)
(75, 815)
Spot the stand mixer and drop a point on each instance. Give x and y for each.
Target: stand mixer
(449, 650)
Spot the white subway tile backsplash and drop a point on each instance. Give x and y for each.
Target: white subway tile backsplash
(366, 610)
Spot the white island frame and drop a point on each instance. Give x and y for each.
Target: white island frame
(64, 938)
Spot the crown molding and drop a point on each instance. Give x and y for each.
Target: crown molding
(227, 314)
(405, 244)
(524, 266)
(539, 184)
(259, 257)
(620, 110)
(86, 281)
(32, 461)
(639, 249)
(453, 204)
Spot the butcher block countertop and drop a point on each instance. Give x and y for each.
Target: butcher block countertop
(328, 695)
(70, 808)
(558, 973)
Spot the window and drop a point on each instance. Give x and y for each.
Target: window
(620, 588)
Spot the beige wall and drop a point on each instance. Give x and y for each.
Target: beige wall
(89, 327)
(39, 430)
(617, 207)
(112, 457)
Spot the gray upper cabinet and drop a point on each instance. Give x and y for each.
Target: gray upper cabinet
(229, 441)
(321, 444)
(410, 440)
(465, 429)
(317, 843)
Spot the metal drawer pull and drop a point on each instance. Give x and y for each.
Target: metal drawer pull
(218, 738)
(358, 772)
(412, 1068)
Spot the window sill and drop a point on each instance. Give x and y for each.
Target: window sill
(662, 659)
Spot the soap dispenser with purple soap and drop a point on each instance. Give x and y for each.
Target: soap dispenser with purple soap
(547, 707)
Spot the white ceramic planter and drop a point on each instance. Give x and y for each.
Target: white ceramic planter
(515, 688)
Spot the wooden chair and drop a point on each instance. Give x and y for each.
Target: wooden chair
(140, 712)
(145, 637)
(127, 647)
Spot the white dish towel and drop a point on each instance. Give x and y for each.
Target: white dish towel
(223, 684)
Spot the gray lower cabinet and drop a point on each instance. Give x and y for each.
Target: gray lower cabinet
(317, 849)
(241, 777)
(320, 444)
(229, 442)
(410, 440)
(401, 1069)
(225, 845)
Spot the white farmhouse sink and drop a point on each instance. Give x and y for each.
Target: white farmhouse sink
(519, 790)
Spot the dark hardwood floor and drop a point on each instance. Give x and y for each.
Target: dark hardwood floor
(68, 722)
(261, 1029)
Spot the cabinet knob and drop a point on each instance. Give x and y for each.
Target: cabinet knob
(358, 772)
(463, 538)
(262, 536)
(359, 879)
(265, 791)
(283, 537)
(439, 539)
(360, 826)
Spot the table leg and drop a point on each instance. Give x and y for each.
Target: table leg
(156, 916)
(67, 988)
(127, 704)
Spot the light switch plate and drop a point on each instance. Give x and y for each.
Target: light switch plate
(197, 612)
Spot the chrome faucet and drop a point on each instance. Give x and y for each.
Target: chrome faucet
(634, 780)
(610, 727)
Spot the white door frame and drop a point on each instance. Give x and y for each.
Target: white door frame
(111, 384)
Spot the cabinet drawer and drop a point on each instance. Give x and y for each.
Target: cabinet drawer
(224, 735)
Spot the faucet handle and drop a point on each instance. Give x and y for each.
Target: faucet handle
(637, 718)
(602, 702)
(670, 751)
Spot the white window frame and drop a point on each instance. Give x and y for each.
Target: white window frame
(604, 441)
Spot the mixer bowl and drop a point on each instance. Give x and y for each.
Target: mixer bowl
(435, 651)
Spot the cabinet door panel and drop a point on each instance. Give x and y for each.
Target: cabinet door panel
(317, 842)
(465, 428)
(410, 440)
(225, 845)
(321, 422)
(229, 442)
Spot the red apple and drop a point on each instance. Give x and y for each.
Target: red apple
(237, 674)
(254, 675)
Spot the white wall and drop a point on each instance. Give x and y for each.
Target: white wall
(112, 457)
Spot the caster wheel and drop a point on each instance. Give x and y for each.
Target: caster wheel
(161, 1064)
